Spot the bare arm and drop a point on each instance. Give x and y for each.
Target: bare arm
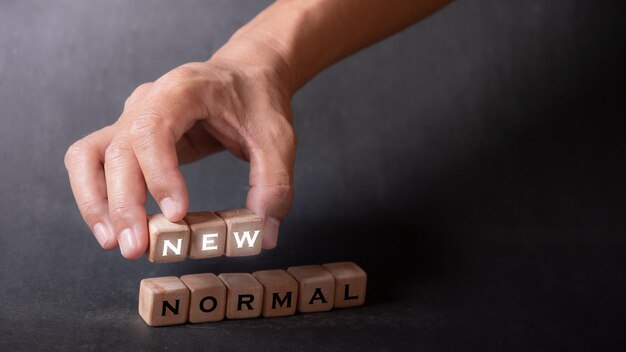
(312, 35)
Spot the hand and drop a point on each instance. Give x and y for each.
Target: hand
(239, 100)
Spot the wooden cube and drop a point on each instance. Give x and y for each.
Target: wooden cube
(243, 232)
(207, 302)
(350, 284)
(208, 235)
(280, 292)
(163, 301)
(244, 297)
(169, 241)
(316, 288)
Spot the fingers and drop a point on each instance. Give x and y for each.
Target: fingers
(110, 171)
(84, 162)
(127, 197)
(271, 184)
(154, 143)
(163, 117)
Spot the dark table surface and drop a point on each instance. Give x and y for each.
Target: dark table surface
(473, 165)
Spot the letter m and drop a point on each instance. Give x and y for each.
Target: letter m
(281, 302)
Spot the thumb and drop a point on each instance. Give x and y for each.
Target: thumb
(271, 188)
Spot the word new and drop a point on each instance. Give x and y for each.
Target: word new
(206, 234)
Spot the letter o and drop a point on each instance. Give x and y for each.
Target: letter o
(213, 306)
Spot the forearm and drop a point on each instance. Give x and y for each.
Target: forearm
(309, 36)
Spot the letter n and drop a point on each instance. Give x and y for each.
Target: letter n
(167, 305)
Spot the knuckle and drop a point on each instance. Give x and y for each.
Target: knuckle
(128, 101)
(143, 125)
(116, 153)
(137, 93)
(183, 90)
(118, 212)
(189, 70)
(142, 88)
(143, 130)
(161, 183)
(286, 133)
(184, 82)
(283, 191)
(278, 133)
(281, 188)
(161, 180)
(90, 209)
(165, 182)
(280, 196)
(76, 152)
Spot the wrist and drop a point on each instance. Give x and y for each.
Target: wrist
(257, 58)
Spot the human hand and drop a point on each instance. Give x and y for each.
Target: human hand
(239, 100)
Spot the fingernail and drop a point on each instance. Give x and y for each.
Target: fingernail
(270, 232)
(102, 233)
(169, 207)
(128, 242)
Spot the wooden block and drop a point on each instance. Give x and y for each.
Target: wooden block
(350, 284)
(244, 298)
(207, 302)
(243, 232)
(163, 301)
(280, 292)
(207, 235)
(316, 288)
(169, 241)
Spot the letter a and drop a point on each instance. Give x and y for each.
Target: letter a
(318, 295)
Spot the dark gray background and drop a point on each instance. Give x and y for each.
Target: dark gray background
(473, 165)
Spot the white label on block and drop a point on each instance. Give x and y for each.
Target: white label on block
(207, 241)
(176, 249)
(246, 237)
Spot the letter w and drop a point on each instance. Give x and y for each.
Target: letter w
(246, 237)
